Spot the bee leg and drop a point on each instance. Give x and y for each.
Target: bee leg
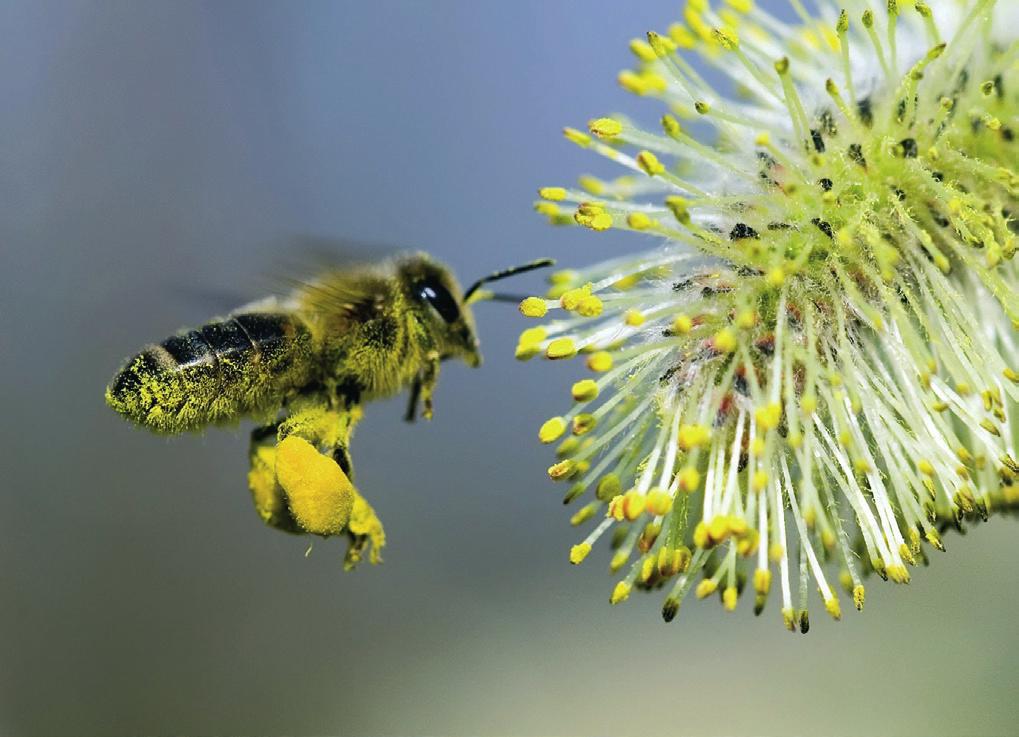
(412, 401)
(267, 495)
(429, 377)
(313, 472)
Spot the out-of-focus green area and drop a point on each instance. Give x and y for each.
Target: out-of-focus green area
(156, 155)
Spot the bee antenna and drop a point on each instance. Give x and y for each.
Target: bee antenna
(540, 263)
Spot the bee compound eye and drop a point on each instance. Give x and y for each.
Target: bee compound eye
(439, 297)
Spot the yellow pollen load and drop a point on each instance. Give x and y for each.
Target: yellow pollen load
(584, 390)
(552, 430)
(599, 362)
(533, 307)
(561, 348)
(579, 552)
(319, 494)
(605, 127)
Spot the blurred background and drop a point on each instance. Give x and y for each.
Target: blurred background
(153, 154)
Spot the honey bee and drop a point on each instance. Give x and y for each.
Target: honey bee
(303, 367)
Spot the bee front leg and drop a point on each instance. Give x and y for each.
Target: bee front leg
(429, 377)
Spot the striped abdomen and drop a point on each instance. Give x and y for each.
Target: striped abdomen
(243, 365)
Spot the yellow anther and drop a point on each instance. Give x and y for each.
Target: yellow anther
(548, 209)
(782, 66)
(757, 447)
(561, 348)
(659, 503)
(724, 341)
(762, 581)
(678, 206)
(718, 528)
(532, 336)
(682, 325)
(706, 588)
(620, 593)
(671, 126)
(578, 137)
(571, 298)
(639, 221)
(726, 38)
(562, 470)
(832, 605)
(689, 479)
(868, 18)
(775, 552)
(681, 36)
(642, 50)
(567, 447)
(526, 351)
(760, 481)
(650, 163)
(605, 127)
(741, 6)
(808, 404)
(693, 436)
(859, 594)
(633, 318)
(1011, 374)
(609, 487)
(593, 216)
(533, 307)
(552, 430)
(591, 184)
(730, 598)
(700, 535)
(633, 504)
(584, 390)
(600, 361)
(584, 423)
(662, 45)
(555, 194)
(579, 552)
(775, 277)
(768, 417)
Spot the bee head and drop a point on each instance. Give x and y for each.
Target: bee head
(433, 288)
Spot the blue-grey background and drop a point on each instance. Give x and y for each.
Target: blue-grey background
(155, 152)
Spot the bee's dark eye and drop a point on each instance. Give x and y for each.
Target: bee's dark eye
(439, 297)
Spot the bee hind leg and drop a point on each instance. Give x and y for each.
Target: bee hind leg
(301, 479)
(428, 378)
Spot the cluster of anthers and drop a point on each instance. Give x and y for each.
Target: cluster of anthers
(819, 366)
